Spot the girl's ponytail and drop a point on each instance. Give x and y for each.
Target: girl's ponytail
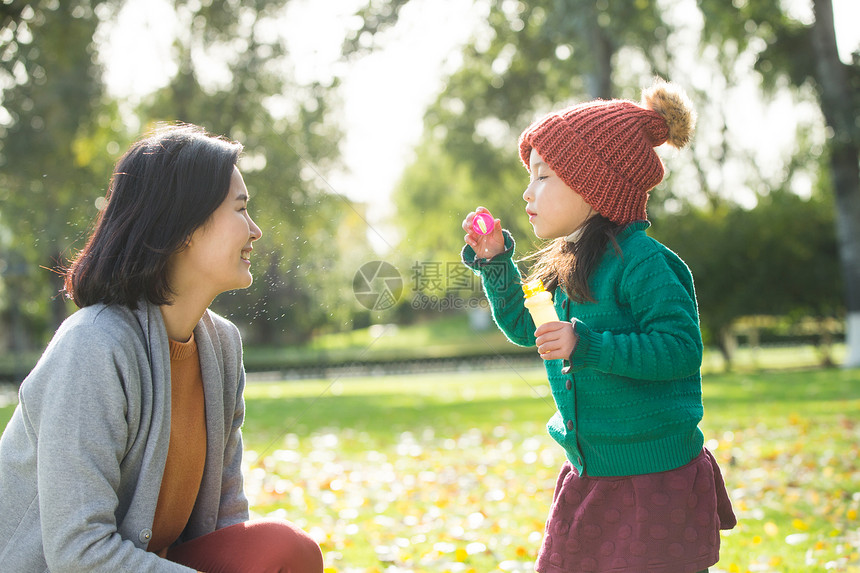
(571, 264)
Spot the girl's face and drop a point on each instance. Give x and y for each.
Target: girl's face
(554, 209)
(217, 257)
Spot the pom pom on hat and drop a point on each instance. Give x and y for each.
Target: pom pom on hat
(672, 104)
(604, 150)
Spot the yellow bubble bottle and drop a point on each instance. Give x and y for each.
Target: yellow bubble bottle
(539, 303)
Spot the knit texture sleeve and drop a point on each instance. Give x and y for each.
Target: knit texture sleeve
(667, 341)
(502, 285)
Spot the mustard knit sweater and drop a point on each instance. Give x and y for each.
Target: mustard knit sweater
(186, 454)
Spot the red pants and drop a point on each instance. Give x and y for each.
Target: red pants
(264, 546)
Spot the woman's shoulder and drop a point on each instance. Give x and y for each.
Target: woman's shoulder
(94, 344)
(101, 324)
(100, 336)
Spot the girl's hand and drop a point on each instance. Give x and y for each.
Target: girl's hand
(556, 340)
(485, 246)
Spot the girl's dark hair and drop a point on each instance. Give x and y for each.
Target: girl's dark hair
(570, 265)
(162, 189)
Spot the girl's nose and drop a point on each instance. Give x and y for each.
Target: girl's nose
(527, 193)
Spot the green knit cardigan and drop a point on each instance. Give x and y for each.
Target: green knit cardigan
(630, 399)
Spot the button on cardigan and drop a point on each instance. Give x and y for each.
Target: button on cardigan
(631, 400)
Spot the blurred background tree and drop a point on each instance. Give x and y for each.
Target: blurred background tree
(60, 133)
(300, 265)
(56, 133)
(755, 246)
(753, 213)
(806, 55)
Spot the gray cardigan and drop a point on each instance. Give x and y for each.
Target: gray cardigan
(82, 458)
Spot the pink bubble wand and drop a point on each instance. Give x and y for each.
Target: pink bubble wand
(483, 224)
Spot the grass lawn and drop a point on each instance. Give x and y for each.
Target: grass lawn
(455, 472)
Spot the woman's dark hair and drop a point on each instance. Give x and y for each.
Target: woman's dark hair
(162, 189)
(572, 264)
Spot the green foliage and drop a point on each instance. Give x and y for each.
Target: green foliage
(60, 134)
(783, 44)
(438, 190)
(56, 124)
(375, 18)
(310, 234)
(779, 258)
(534, 57)
(530, 57)
(806, 54)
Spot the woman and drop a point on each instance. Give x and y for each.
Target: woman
(125, 451)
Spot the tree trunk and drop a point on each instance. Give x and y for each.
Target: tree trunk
(727, 343)
(837, 104)
(599, 79)
(580, 19)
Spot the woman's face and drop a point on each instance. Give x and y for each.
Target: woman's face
(554, 209)
(218, 255)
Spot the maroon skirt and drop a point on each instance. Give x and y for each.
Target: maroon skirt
(666, 522)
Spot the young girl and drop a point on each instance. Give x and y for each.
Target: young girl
(638, 492)
(125, 451)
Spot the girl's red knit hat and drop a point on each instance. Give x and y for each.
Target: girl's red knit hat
(604, 150)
